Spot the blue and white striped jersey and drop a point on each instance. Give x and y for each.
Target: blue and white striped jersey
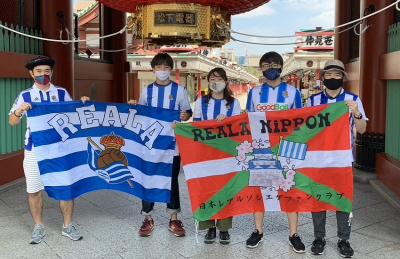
(35, 95)
(172, 96)
(205, 109)
(266, 98)
(323, 98)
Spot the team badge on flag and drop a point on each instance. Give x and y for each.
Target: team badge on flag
(293, 150)
(111, 163)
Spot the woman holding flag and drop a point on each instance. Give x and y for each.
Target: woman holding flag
(218, 104)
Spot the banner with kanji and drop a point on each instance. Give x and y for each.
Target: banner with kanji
(294, 161)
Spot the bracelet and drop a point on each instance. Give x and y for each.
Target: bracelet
(17, 115)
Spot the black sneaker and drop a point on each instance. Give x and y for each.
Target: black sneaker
(296, 244)
(318, 246)
(224, 238)
(254, 240)
(345, 249)
(211, 235)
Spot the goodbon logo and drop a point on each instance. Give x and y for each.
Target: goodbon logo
(264, 107)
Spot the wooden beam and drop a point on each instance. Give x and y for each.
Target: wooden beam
(87, 69)
(15, 69)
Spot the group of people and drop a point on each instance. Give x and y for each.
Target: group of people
(217, 104)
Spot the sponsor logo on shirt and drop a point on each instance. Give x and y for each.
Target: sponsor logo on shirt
(265, 107)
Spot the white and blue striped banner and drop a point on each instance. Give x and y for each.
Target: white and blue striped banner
(293, 150)
(87, 147)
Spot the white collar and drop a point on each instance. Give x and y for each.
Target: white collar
(52, 87)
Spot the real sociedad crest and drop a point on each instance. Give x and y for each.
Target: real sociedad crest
(109, 163)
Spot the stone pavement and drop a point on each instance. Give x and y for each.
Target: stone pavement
(109, 222)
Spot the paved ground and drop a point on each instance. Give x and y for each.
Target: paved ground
(110, 221)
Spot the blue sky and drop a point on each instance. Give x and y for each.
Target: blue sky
(280, 17)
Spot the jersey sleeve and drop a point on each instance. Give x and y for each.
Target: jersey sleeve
(197, 113)
(184, 104)
(67, 97)
(143, 97)
(297, 104)
(17, 103)
(236, 108)
(308, 102)
(249, 104)
(361, 108)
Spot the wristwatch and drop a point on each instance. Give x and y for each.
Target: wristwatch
(359, 117)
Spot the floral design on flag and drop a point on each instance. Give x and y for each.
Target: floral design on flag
(265, 169)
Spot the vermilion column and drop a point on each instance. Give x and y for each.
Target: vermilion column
(199, 85)
(113, 21)
(342, 16)
(51, 22)
(373, 43)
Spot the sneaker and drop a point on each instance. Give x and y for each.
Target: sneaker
(318, 246)
(147, 227)
(254, 240)
(72, 232)
(224, 238)
(296, 244)
(176, 227)
(345, 249)
(211, 235)
(38, 234)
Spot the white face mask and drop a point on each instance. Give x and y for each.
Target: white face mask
(162, 75)
(217, 87)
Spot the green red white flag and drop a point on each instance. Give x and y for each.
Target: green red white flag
(293, 161)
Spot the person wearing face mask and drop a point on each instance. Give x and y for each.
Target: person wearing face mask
(164, 93)
(218, 104)
(274, 95)
(42, 91)
(333, 75)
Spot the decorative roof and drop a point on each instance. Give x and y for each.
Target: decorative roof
(232, 6)
(88, 9)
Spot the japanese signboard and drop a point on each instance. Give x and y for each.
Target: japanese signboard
(175, 18)
(315, 40)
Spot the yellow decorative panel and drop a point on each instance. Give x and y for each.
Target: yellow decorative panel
(200, 30)
(181, 23)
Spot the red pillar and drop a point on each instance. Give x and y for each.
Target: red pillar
(373, 43)
(199, 85)
(113, 21)
(62, 53)
(177, 76)
(342, 15)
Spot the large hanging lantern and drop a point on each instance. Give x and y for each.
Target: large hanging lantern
(165, 22)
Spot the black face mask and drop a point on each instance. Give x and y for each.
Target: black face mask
(333, 83)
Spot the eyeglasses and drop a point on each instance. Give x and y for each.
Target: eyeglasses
(270, 65)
